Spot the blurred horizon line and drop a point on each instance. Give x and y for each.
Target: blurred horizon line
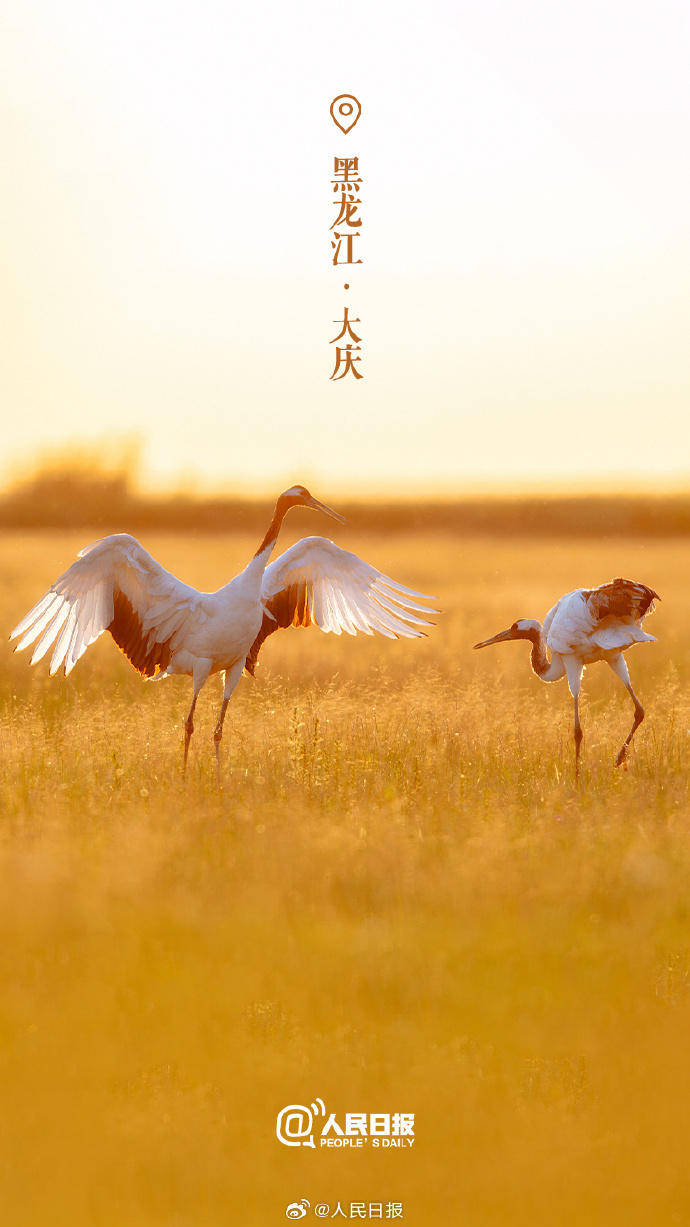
(80, 490)
(122, 458)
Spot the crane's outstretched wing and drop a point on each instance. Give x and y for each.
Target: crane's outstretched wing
(317, 583)
(114, 585)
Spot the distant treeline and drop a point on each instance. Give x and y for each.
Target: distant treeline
(108, 501)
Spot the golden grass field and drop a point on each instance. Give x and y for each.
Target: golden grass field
(398, 902)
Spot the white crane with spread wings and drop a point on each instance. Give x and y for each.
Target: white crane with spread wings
(585, 626)
(166, 627)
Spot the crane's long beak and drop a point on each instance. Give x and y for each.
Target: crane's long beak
(327, 511)
(502, 638)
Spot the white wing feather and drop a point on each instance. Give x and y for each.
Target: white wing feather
(343, 593)
(80, 605)
(620, 635)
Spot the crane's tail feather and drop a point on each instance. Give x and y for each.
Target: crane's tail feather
(622, 598)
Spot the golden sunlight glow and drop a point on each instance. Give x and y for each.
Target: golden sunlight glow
(522, 299)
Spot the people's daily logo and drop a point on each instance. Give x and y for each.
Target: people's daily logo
(300, 1124)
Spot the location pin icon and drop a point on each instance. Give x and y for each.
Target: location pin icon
(345, 111)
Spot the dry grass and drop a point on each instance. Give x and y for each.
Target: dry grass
(399, 902)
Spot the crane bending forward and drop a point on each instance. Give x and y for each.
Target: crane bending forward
(587, 625)
(166, 627)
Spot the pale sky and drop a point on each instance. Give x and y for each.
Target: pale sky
(166, 257)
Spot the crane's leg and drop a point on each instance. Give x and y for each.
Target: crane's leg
(199, 677)
(620, 668)
(574, 670)
(189, 729)
(231, 678)
(577, 733)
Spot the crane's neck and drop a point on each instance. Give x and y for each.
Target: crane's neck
(258, 563)
(266, 546)
(249, 581)
(547, 670)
